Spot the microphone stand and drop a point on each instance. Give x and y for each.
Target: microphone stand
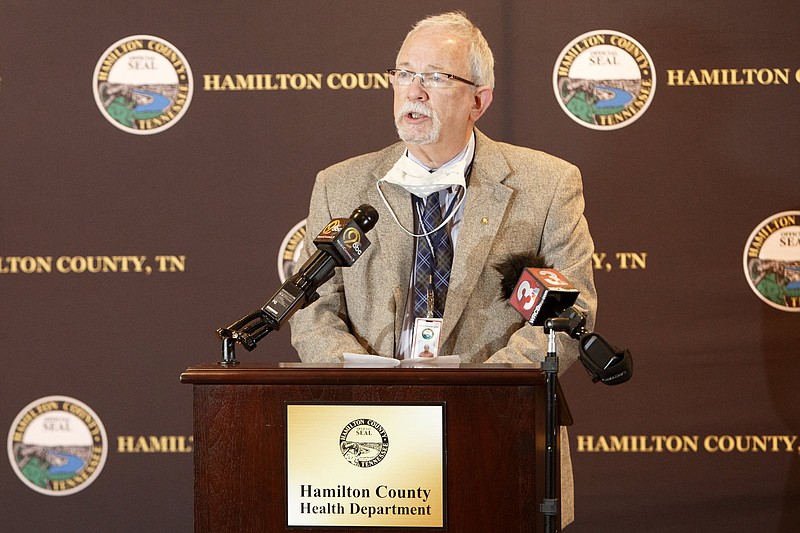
(549, 505)
(569, 323)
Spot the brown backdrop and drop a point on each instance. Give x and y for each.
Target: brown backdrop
(683, 187)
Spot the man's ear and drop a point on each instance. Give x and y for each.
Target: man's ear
(482, 101)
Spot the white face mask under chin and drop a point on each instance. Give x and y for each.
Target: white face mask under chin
(419, 182)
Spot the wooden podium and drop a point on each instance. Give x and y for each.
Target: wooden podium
(494, 439)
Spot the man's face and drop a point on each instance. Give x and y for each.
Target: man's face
(436, 117)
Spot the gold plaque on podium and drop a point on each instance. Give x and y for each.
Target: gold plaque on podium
(368, 465)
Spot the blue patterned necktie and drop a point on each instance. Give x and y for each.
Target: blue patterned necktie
(432, 266)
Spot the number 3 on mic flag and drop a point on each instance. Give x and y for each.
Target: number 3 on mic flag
(539, 289)
(526, 295)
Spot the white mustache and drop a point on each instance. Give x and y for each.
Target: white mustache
(416, 107)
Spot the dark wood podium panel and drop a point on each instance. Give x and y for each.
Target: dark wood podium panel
(495, 434)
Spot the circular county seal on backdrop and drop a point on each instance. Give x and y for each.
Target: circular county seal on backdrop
(364, 442)
(57, 445)
(772, 261)
(290, 250)
(142, 84)
(604, 80)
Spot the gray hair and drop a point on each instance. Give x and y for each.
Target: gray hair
(481, 60)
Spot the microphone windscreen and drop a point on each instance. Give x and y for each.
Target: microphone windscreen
(511, 267)
(365, 216)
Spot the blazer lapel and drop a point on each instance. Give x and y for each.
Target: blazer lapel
(395, 261)
(487, 200)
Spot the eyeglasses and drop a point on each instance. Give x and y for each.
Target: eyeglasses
(435, 80)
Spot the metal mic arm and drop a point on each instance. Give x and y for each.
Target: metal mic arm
(251, 328)
(247, 331)
(603, 361)
(571, 321)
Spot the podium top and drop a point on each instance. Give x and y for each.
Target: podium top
(464, 374)
(346, 374)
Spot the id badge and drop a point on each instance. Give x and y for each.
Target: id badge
(426, 337)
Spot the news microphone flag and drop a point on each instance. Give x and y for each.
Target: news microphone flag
(343, 239)
(542, 293)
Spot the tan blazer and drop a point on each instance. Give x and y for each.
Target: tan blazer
(518, 200)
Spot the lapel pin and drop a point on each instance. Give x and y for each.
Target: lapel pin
(485, 220)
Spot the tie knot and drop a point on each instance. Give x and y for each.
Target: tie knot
(432, 201)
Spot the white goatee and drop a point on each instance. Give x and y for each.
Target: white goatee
(418, 134)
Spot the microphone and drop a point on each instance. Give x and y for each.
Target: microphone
(340, 244)
(543, 296)
(604, 362)
(534, 288)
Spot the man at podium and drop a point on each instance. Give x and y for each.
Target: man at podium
(493, 199)
(452, 204)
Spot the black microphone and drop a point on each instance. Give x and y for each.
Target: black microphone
(340, 244)
(603, 361)
(543, 296)
(534, 288)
